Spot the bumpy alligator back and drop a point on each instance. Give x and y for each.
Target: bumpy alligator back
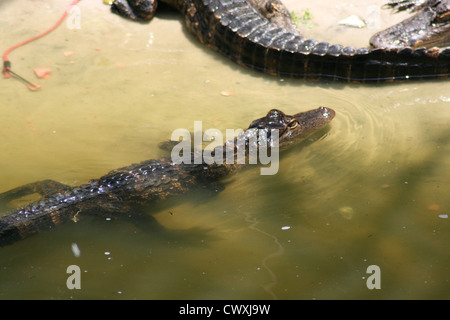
(32, 219)
(238, 31)
(121, 191)
(49, 212)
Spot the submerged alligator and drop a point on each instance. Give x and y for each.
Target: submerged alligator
(260, 35)
(125, 191)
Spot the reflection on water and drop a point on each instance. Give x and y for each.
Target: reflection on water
(373, 191)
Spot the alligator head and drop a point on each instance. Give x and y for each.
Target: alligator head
(276, 131)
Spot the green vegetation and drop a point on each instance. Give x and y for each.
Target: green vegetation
(304, 17)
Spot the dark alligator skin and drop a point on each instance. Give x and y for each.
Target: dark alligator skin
(258, 34)
(127, 190)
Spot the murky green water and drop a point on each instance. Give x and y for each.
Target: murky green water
(374, 191)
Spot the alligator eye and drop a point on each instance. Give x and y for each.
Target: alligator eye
(293, 124)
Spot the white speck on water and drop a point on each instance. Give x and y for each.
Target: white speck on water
(285, 227)
(443, 216)
(76, 250)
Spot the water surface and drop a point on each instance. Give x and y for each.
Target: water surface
(373, 191)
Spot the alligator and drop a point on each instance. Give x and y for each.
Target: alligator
(429, 27)
(259, 35)
(126, 191)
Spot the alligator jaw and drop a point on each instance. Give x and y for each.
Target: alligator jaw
(315, 119)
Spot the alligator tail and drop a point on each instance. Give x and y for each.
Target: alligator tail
(21, 224)
(239, 32)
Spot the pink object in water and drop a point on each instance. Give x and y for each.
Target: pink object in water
(42, 73)
(33, 86)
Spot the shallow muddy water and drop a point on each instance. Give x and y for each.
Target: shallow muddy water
(373, 191)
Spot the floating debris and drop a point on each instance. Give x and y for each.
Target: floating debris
(434, 207)
(443, 216)
(346, 212)
(76, 250)
(33, 86)
(285, 227)
(42, 73)
(353, 21)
